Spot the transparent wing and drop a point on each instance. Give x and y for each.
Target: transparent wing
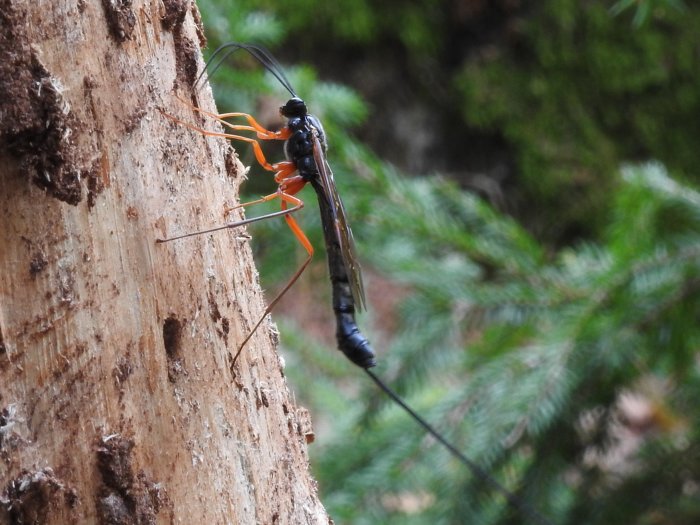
(342, 230)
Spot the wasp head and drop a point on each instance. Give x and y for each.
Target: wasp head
(295, 107)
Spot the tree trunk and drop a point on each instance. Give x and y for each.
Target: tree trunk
(118, 401)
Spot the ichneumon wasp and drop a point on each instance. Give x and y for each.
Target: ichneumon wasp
(305, 149)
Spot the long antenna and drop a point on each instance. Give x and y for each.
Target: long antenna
(261, 54)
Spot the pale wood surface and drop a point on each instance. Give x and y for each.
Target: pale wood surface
(117, 401)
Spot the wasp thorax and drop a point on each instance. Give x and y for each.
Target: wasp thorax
(295, 107)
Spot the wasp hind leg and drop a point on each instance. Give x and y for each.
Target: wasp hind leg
(287, 198)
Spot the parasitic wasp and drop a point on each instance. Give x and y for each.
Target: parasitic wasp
(305, 151)
(305, 148)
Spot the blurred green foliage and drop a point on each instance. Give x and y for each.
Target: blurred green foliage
(570, 89)
(566, 365)
(583, 91)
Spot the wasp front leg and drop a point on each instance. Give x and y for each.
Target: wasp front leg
(263, 133)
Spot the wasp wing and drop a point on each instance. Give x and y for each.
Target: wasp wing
(342, 229)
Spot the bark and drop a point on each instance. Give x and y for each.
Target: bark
(118, 402)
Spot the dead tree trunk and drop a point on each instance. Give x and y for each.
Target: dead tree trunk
(118, 402)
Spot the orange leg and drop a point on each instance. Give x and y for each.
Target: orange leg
(263, 133)
(288, 189)
(284, 173)
(286, 170)
(287, 195)
(259, 155)
(298, 204)
(286, 198)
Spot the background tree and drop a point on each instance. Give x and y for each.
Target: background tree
(556, 343)
(118, 400)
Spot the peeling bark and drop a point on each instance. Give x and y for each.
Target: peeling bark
(118, 403)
